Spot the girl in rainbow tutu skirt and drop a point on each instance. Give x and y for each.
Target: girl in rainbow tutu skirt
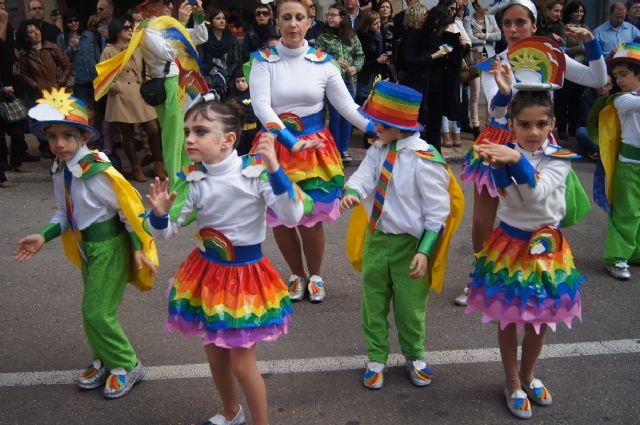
(524, 276)
(226, 290)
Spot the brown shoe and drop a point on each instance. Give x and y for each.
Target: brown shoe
(456, 140)
(6, 184)
(138, 175)
(159, 171)
(446, 140)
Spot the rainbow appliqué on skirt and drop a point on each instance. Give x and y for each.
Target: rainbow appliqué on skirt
(231, 305)
(474, 169)
(526, 281)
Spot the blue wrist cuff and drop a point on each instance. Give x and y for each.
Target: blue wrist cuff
(593, 50)
(280, 182)
(370, 129)
(523, 172)
(501, 177)
(286, 137)
(159, 223)
(501, 99)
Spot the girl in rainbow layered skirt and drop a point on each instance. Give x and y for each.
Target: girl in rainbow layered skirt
(518, 22)
(226, 290)
(524, 275)
(289, 83)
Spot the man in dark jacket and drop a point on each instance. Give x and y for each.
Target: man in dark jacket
(316, 27)
(49, 31)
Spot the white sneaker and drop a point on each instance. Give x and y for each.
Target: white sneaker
(620, 270)
(461, 300)
(239, 419)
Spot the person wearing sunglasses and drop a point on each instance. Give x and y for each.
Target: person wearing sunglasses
(81, 48)
(125, 106)
(260, 31)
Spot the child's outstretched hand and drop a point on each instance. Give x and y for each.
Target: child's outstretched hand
(502, 74)
(497, 155)
(142, 260)
(267, 151)
(348, 201)
(158, 197)
(28, 247)
(418, 266)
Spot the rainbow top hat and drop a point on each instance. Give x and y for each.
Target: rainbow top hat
(538, 63)
(626, 52)
(394, 105)
(59, 107)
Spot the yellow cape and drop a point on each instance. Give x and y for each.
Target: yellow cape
(176, 34)
(609, 139)
(359, 221)
(131, 205)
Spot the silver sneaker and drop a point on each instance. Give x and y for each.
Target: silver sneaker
(120, 382)
(239, 419)
(461, 300)
(518, 404)
(316, 289)
(537, 392)
(297, 286)
(94, 376)
(419, 374)
(373, 377)
(620, 270)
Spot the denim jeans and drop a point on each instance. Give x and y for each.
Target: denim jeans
(584, 141)
(340, 128)
(455, 128)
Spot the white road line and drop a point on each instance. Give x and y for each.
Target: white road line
(332, 364)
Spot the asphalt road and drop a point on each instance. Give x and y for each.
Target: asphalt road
(42, 332)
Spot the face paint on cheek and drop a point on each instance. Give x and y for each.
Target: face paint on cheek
(216, 132)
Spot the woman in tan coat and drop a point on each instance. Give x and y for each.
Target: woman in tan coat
(125, 106)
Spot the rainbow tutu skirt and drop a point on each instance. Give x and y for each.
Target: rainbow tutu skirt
(318, 172)
(474, 169)
(231, 300)
(525, 278)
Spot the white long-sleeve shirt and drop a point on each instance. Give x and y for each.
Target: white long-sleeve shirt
(298, 85)
(156, 51)
(233, 203)
(594, 75)
(417, 197)
(93, 199)
(529, 208)
(628, 107)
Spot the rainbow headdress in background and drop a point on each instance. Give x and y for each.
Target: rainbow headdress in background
(538, 63)
(394, 105)
(59, 107)
(626, 52)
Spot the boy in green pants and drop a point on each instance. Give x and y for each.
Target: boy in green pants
(404, 184)
(98, 219)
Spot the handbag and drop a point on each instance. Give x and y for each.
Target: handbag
(153, 91)
(469, 71)
(12, 109)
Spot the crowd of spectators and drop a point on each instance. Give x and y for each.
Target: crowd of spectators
(428, 49)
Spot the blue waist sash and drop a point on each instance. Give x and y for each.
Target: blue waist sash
(515, 232)
(237, 256)
(303, 126)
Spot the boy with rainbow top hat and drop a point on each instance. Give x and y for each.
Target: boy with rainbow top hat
(619, 140)
(412, 206)
(102, 234)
